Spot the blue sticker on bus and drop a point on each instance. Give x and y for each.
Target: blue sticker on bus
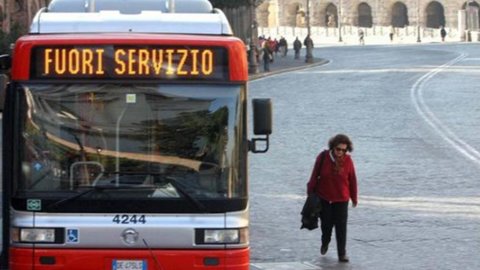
(72, 235)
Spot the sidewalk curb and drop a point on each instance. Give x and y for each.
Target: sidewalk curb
(317, 62)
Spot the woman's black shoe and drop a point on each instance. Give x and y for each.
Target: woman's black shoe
(324, 249)
(343, 258)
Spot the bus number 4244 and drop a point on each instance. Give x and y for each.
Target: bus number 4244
(129, 219)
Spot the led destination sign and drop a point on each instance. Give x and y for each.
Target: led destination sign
(130, 62)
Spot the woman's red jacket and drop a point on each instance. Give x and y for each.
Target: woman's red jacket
(334, 186)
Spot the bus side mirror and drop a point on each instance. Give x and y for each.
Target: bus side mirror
(262, 123)
(5, 63)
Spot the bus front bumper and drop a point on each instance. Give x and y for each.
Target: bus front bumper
(122, 259)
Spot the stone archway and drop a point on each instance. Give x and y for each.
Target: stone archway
(294, 15)
(473, 4)
(435, 15)
(364, 15)
(331, 15)
(399, 15)
(263, 15)
(473, 14)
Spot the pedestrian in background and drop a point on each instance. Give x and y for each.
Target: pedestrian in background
(392, 33)
(267, 56)
(361, 36)
(283, 44)
(275, 47)
(297, 46)
(272, 46)
(308, 42)
(443, 33)
(337, 185)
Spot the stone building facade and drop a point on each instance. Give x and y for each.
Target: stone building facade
(19, 13)
(453, 14)
(368, 13)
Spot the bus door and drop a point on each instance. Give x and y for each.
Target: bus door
(5, 63)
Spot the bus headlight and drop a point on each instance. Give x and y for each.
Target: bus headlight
(33, 235)
(222, 236)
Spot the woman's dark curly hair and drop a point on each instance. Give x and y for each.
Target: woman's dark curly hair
(338, 139)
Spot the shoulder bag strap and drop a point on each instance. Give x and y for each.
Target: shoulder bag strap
(322, 158)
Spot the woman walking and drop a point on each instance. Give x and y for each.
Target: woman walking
(337, 184)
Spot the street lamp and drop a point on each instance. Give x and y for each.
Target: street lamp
(252, 53)
(418, 21)
(340, 21)
(308, 43)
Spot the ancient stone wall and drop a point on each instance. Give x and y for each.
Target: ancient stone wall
(19, 13)
(400, 13)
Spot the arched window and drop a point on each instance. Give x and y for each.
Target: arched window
(435, 15)
(473, 14)
(470, 4)
(331, 16)
(262, 15)
(364, 15)
(295, 15)
(399, 15)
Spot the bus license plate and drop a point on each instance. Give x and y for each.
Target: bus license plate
(129, 265)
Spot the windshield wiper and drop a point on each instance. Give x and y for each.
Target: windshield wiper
(172, 181)
(99, 188)
(185, 193)
(96, 189)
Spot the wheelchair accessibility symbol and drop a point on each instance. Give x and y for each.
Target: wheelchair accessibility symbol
(72, 235)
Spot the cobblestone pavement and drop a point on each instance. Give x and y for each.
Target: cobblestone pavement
(412, 112)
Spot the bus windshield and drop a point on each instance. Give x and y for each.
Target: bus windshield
(134, 141)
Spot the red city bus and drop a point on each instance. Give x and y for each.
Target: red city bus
(125, 139)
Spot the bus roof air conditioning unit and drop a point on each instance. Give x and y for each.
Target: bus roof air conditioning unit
(137, 16)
